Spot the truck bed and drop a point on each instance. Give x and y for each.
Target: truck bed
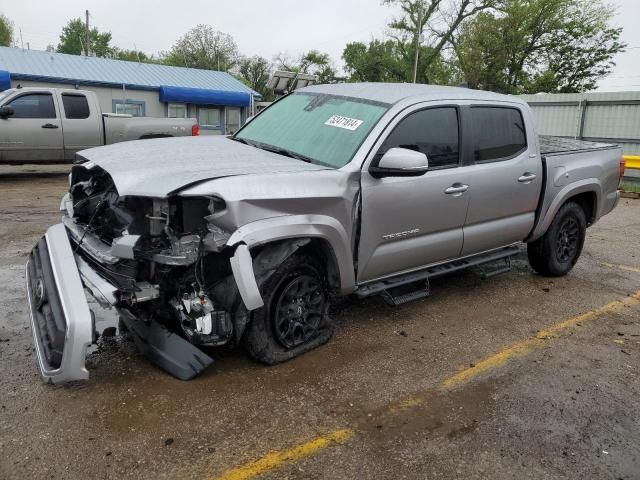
(550, 145)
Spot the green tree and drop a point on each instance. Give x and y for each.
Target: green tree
(73, 40)
(255, 73)
(203, 47)
(130, 55)
(530, 46)
(441, 19)
(391, 61)
(6, 31)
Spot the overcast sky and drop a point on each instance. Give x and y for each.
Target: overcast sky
(262, 27)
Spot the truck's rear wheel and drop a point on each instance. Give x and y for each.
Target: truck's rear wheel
(296, 315)
(558, 250)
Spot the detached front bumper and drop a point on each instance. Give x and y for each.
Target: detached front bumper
(61, 320)
(63, 325)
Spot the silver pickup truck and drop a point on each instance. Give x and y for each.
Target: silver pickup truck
(359, 189)
(52, 124)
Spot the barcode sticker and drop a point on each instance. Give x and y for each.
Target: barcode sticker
(343, 122)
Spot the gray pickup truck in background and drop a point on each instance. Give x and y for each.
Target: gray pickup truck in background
(52, 124)
(359, 189)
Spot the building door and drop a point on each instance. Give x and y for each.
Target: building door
(210, 120)
(33, 133)
(232, 120)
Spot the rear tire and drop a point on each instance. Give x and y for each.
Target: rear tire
(558, 250)
(296, 316)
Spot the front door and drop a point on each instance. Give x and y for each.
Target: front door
(506, 178)
(33, 133)
(411, 222)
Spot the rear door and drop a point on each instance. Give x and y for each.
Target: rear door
(506, 177)
(410, 222)
(33, 133)
(81, 123)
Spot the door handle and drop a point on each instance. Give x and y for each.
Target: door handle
(456, 188)
(527, 177)
(49, 125)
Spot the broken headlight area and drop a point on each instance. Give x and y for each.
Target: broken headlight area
(166, 258)
(171, 231)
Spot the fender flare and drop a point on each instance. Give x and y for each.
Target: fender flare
(273, 229)
(588, 185)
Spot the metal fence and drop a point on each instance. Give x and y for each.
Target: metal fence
(599, 117)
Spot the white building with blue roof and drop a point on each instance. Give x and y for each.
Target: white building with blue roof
(220, 102)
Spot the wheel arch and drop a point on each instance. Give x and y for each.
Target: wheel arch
(586, 193)
(263, 245)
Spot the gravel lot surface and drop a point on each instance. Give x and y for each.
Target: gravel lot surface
(565, 408)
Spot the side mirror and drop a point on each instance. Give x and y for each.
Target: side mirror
(400, 162)
(6, 112)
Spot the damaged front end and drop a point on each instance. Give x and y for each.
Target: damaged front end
(163, 263)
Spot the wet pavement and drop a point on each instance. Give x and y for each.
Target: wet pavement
(567, 408)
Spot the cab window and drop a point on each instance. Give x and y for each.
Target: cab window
(433, 131)
(75, 106)
(498, 133)
(33, 105)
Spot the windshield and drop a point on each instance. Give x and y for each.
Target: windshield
(318, 128)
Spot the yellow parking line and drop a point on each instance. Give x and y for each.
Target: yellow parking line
(274, 460)
(523, 347)
(622, 267)
(277, 459)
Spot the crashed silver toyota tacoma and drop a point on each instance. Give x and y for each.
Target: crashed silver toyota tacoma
(334, 190)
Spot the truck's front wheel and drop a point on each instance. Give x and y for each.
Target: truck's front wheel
(296, 315)
(558, 250)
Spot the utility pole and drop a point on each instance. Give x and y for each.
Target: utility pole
(86, 40)
(418, 35)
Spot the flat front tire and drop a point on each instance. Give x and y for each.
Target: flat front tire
(558, 250)
(296, 316)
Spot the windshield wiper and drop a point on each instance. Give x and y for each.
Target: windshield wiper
(242, 140)
(284, 152)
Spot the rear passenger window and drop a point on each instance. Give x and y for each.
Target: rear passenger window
(498, 133)
(76, 107)
(33, 105)
(433, 132)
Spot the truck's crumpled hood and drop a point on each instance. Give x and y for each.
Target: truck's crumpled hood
(158, 167)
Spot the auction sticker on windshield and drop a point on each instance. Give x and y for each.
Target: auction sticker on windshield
(343, 122)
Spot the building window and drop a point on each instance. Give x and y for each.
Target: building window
(177, 110)
(129, 107)
(76, 106)
(232, 121)
(209, 117)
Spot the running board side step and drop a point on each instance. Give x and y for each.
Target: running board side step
(399, 295)
(442, 269)
(488, 272)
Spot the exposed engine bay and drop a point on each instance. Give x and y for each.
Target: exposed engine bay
(166, 257)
